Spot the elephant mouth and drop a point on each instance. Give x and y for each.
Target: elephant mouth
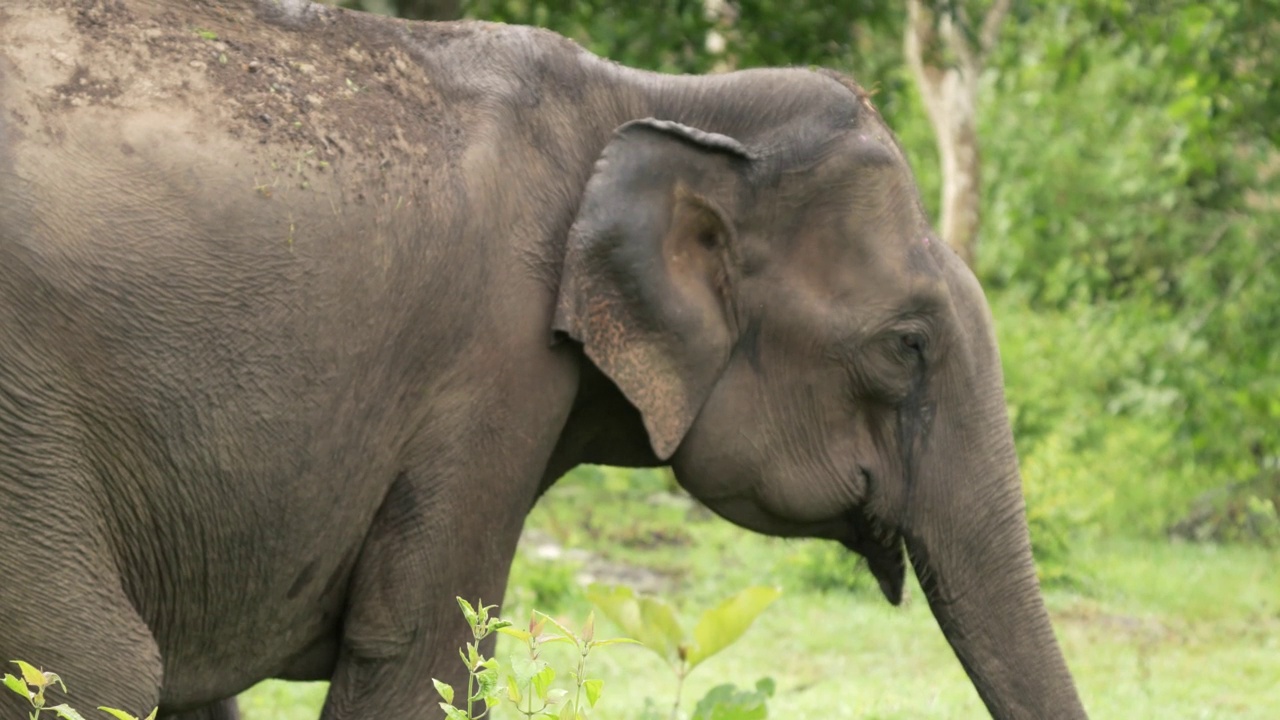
(879, 544)
(883, 549)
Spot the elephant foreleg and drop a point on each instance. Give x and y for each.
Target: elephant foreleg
(403, 626)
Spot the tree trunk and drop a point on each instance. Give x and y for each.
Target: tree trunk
(947, 65)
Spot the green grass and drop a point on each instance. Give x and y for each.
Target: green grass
(1151, 630)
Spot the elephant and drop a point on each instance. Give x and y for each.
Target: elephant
(303, 309)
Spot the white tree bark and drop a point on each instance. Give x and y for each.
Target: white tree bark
(723, 14)
(947, 66)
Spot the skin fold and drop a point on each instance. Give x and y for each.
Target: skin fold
(302, 309)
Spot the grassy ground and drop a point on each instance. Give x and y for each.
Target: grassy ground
(1151, 630)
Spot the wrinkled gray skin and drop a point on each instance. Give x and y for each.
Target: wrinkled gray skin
(296, 325)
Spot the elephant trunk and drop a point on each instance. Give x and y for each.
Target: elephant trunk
(982, 588)
(967, 539)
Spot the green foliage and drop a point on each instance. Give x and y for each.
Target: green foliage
(551, 585)
(34, 682)
(1244, 512)
(1126, 181)
(1094, 420)
(527, 683)
(640, 481)
(671, 35)
(415, 9)
(721, 626)
(728, 702)
(824, 566)
(657, 626)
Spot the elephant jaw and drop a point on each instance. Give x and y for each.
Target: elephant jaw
(882, 547)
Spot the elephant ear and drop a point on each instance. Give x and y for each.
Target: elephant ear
(646, 285)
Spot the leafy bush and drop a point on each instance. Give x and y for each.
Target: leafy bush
(1244, 512)
(1095, 419)
(526, 680)
(1124, 232)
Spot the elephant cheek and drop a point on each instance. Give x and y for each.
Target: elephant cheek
(882, 547)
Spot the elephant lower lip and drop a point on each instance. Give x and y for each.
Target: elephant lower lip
(882, 547)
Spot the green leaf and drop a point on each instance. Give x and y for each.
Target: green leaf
(567, 632)
(468, 612)
(615, 641)
(541, 682)
(119, 714)
(486, 684)
(727, 702)
(650, 621)
(523, 668)
(661, 627)
(766, 686)
(523, 636)
(513, 690)
(536, 624)
(553, 639)
(30, 674)
(619, 604)
(482, 622)
(593, 688)
(721, 626)
(52, 677)
(555, 696)
(17, 686)
(66, 712)
(454, 713)
(567, 712)
(445, 690)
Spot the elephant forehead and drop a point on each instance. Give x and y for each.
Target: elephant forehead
(854, 257)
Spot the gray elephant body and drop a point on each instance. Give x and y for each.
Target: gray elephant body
(278, 376)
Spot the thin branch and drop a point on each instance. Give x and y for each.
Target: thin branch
(921, 41)
(991, 25)
(970, 58)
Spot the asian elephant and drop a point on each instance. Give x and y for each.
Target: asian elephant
(302, 309)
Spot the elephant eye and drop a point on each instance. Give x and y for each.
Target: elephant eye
(912, 342)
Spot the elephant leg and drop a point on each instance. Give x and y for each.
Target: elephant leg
(224, 710)
(64, 609)
(403, 626)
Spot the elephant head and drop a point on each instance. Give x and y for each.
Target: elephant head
(813, 361)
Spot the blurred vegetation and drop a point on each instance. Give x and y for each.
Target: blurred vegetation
(1131, 234)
